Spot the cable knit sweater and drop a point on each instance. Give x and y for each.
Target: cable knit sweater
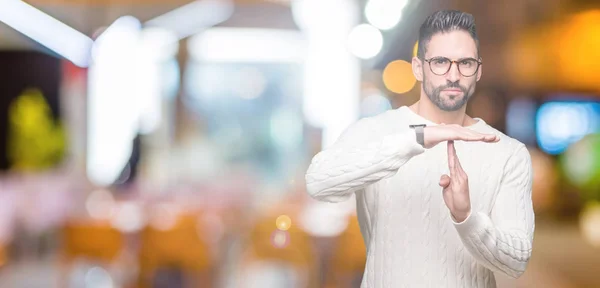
(411, 238)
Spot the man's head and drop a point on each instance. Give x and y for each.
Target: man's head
(448, 62)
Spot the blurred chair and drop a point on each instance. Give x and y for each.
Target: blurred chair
(3, 254)
(278, 258)
(175, 253)
(96, 240)
(92, 241)
(349, 257)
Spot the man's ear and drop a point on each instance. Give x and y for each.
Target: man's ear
(480, 71)
(417, 68)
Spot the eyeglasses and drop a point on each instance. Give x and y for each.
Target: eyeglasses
(441, 65)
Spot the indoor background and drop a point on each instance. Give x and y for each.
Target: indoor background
(163, 143)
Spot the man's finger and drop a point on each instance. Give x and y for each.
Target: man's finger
(477, 135)
(492, 138)
(457, 165)
(444, 181)
(451, 162)
(466, 136)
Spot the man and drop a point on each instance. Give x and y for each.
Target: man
(429, 219)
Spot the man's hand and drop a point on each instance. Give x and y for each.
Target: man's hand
(456, 187)
(433, 135)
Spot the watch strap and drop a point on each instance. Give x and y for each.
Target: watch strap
(419, 131)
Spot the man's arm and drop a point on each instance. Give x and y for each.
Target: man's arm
(503, 242)
(361, 156)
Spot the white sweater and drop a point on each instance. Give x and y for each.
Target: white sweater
(411, 238)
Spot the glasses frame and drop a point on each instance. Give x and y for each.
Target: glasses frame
(479, 62)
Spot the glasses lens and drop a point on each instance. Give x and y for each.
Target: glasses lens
(468, 67)
(439, 65)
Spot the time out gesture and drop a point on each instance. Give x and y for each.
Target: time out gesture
(456, 185)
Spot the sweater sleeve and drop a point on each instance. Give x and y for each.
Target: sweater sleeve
(503, 242)
(361, 156)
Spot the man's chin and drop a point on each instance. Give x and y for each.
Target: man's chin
(451, 105)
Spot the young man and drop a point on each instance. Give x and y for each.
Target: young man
(429, 219)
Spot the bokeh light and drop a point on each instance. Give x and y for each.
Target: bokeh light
(384, 14)
(581, 164)
(283, 222)
(365, 41)
(165, 216)
(129, 217)
(280, 239)
(559, 124)
(590, 223)
(374, 103)
(577, 53)
(100, 204)
(398, 76)
(98, 277)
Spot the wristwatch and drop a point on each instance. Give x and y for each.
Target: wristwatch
(419, 128)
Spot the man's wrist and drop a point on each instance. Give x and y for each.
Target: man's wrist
(460, 217)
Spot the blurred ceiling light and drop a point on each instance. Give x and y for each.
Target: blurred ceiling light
(324, 17)
(365, 41)
(331, 72)
(112, 114)
(398, 76)
(159, 44)
(247, 45)
(194, 17)
(384, 14)
(121, 33)
(49, 32)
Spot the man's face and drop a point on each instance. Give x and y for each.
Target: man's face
(452, 90)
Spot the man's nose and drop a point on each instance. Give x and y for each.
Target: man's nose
(453, 74)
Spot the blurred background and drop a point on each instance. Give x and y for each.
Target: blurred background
(154, 143)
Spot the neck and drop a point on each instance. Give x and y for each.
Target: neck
(426, 109)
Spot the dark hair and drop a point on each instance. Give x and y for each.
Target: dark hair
(442, 22)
